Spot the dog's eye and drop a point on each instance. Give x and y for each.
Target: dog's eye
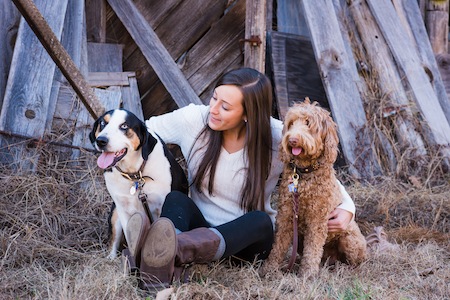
(124, 126)
(307, 122)
(102, 124)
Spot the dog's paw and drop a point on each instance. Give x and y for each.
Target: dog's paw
(112, 255)
(268, 269)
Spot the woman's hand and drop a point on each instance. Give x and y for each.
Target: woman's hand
(339, 219)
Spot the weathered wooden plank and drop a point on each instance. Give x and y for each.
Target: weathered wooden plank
(215, 52)
(72, 40)
(296, 74)
(9, 24)
(54, 48)
(353, 45)
(437, 132)
(99, 79)
(106, 60)
(154, 13)
(155, 53)
(131, 99)
(424, 48)
(96, 21)
(207, 59)
(384, 72)
(343, 96)
(436, 20)
(105, 57)
(100, 58)
(255, 34)
(290, 18)
(443, 62)
(201, 18)
(30, 79)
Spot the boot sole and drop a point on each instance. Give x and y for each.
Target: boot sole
(161, 244)
(137, 227)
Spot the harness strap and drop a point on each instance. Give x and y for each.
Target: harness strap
(295, 238)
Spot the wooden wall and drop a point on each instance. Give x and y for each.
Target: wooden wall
(362, 58)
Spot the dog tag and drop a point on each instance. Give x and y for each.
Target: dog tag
(134, 188)
(292, 188)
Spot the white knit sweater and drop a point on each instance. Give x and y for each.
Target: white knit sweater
(182, 127)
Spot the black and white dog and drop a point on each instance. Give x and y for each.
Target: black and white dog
(139, 169)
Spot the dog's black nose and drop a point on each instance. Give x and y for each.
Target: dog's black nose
(101, 141)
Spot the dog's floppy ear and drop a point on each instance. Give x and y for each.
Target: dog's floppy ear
(92, 136)
(331, 139)
(148, 142)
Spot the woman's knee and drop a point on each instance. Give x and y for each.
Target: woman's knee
(263, 221)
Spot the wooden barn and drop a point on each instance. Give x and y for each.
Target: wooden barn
(380, 66)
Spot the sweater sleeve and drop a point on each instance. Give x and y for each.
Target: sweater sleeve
(180, 125)
(347, 202)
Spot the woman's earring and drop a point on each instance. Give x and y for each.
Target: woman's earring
(245, 120)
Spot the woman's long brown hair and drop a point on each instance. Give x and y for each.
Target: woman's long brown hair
(257, 91)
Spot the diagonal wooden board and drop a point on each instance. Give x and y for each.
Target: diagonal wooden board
(342, 92)
(155, 53)
(425, 50)
(409, 63)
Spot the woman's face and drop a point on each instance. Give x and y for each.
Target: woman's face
(226, 108)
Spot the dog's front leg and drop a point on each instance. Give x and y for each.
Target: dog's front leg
(283, 238)
(314, 241)
(116, 239)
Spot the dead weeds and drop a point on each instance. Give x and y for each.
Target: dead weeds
(53, 232)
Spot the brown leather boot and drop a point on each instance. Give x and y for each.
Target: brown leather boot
(158, 255)
(165, 254)
(195, 246)
(137, 228)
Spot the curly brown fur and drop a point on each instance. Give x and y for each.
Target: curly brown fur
(310, 141)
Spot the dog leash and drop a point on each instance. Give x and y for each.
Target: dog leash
(293, 188)
(138, 183)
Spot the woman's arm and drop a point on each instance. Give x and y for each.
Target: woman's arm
(339, 218)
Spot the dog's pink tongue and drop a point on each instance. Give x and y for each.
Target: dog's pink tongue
(296, 151)
(105, 159)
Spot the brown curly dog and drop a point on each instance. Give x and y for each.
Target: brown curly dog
(308, 150)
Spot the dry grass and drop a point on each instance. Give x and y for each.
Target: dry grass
(53, 228)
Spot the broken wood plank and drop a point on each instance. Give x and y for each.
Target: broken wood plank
(9, 24)
(30, 79)
(255, 34)
(155, 53)
(437, 129)
(343, 96)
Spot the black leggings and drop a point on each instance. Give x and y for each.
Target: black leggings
(247, 237)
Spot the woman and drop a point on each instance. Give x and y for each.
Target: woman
(231, 150)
